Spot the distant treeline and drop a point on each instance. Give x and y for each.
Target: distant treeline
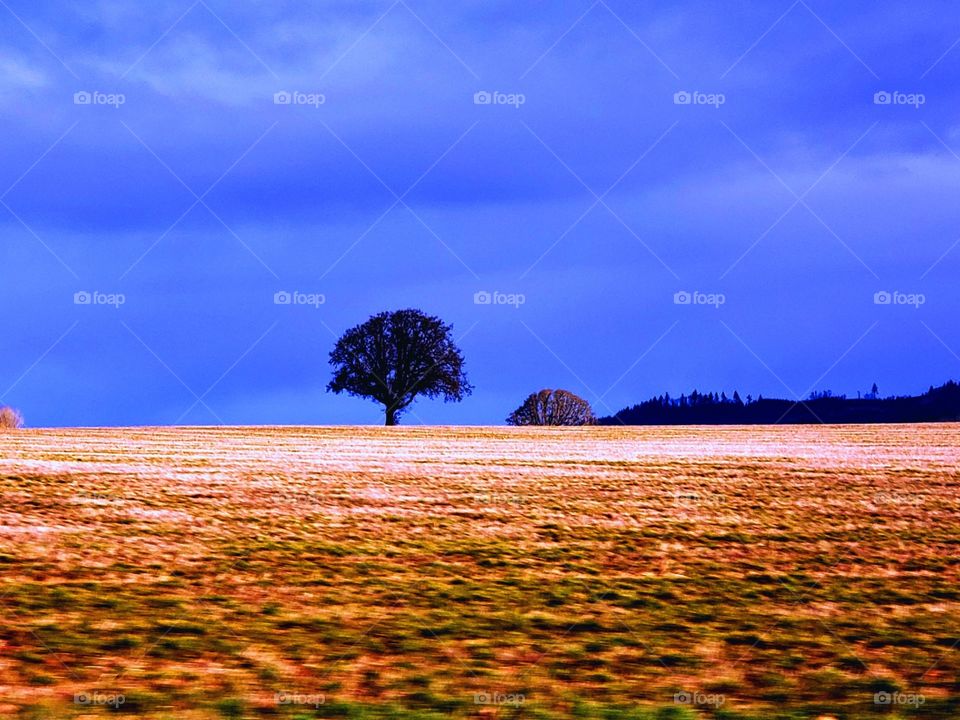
(941, 404)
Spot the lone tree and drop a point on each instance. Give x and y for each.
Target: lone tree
(395, 356)
(553, 407)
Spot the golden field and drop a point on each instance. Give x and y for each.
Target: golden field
(764, 572)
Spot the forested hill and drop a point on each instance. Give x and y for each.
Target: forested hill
(941, 404)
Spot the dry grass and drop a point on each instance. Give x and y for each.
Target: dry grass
(792, 572)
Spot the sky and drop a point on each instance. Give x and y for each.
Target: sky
(752, 196)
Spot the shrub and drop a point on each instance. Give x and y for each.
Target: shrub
(553, 407)
(10, 419)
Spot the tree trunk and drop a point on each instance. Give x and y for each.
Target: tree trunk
(391, 416)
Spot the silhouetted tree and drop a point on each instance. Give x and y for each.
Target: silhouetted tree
(553, 407)
(938, 404)
(395, 356)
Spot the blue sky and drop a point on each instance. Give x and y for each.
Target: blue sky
(781, 198)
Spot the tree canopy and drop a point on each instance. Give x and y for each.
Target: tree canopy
(396, 356)
(553, 407)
